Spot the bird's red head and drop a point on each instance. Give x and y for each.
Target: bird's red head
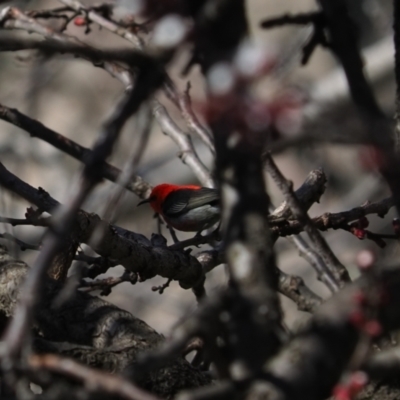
(160, 193)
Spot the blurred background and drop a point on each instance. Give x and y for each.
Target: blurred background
(74, 98)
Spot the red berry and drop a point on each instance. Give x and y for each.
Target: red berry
(79, 21)
(357, 232)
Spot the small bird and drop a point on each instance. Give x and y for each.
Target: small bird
(187, 208)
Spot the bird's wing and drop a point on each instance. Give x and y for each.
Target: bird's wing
(188, 199)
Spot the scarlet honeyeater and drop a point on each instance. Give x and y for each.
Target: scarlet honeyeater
(188, 208)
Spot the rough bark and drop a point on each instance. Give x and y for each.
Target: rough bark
(93, 331)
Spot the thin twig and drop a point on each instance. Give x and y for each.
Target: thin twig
(26, 221)
(197, 240)
(187, 152)
(105, 285)
(308, 253)
(334, 274)
(22, 245)
(13, 18)
(378, 127)
(291, 286)
(192, 121)
(129, 170)
(21, 21)
(105, 23)
(168, 126)
(295, 289)
(94, 379)
(288, 19)
(68, 146)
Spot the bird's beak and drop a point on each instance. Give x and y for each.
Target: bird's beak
(143, 202)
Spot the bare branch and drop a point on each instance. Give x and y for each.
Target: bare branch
(68, 146)
(94, 379)
(307, 194)
(334, 274)
(13, 18)
(192, 121)
(334, 220)
(66, 330)
(188, 154)
(105, 285)
(105, 23)
(295, 289)
(379, 130)
(291, 286)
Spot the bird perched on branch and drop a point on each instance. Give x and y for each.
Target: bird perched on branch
(187, 208)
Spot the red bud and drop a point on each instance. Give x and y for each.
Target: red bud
(79, 21)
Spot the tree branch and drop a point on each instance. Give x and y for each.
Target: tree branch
(38, 130)
(334, 274)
